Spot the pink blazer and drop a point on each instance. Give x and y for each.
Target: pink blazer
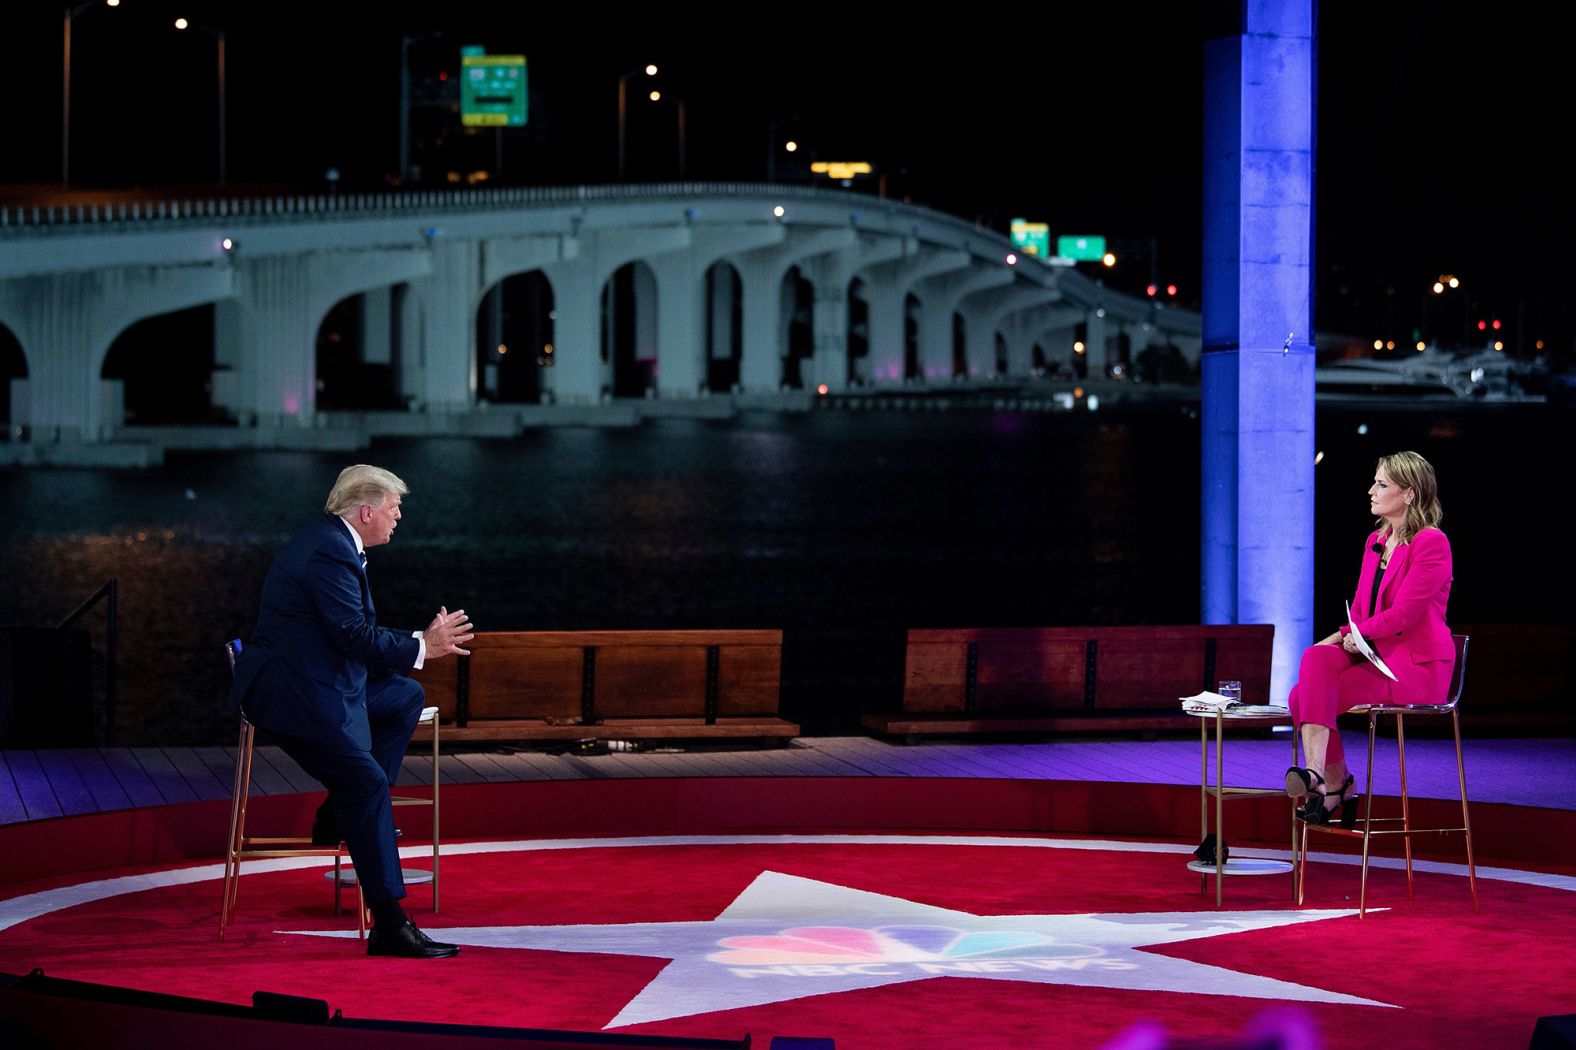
(1407, 625)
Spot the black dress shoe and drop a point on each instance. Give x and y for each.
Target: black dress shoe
(407, 942)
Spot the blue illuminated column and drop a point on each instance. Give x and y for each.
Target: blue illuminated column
(1258, 442)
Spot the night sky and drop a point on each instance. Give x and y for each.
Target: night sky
(1437, 152)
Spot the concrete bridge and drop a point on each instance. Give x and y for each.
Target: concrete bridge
(674, 292)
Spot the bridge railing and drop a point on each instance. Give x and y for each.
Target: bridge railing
(209, 208)
(35, 221)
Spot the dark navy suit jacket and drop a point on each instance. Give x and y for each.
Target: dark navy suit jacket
(304, 672)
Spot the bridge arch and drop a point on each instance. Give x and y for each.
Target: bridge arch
(160, 370)
(354, 356)
(13, 365)
(858, 333)
(797, 327)
(629, 331)
(724, 327)
(515, 346)
(912, 310)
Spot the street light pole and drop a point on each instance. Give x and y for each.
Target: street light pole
(623, 109)
(683, 147)
(65, 86)
(218, 34)
(223, 151)
(65, 104)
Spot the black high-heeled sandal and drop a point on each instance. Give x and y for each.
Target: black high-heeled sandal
(1315, 812)
(1301, 781)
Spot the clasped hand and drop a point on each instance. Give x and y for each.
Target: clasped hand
(447, 632)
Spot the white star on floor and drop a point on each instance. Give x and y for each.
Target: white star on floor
(787, 937)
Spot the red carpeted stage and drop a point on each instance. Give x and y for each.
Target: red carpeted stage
(878, 912)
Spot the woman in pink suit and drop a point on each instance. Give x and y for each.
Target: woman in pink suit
(1400, 609)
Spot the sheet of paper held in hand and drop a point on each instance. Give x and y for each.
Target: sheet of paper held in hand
(1364, 648)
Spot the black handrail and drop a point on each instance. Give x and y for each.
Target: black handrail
(110, 594)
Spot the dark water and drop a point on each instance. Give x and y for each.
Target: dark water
(842, 529)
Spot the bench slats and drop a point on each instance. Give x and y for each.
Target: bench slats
(1043, 678)
(563, 684)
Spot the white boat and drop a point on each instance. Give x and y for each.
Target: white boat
(1427, 376)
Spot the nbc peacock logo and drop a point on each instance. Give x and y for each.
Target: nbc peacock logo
(835, 951)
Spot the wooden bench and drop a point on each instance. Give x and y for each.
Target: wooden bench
(1060, 679)
(619, 685)
(1521, 677)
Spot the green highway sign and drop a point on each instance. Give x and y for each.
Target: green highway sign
(1031, 238)
(1081, 248)
(492, 91)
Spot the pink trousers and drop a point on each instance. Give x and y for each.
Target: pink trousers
(1331, 680)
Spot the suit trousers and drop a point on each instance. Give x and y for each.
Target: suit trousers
(358, 782)
(1331, 680)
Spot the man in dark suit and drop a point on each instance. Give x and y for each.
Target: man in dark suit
(320, 674)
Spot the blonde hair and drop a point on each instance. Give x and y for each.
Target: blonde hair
(1408, 470)
(362, 485)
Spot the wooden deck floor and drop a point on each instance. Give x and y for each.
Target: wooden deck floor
(37, 785)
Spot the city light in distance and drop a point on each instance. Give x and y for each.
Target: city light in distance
(656, 96)
(1012, 260)
(547, 349)
(1150, 291)
(778, 211)
(227, 244)
(181, 23)
(1438, 287)
(1378, 344)
(821, 389)
(651, 71)
(791, 146)
(111, 3)
(1494, 325)
(1078, 347)
(1171, 289)
(1421, 346)
(1108, 259)
(502, 349)
(1498, 345)
(1454, 282)
(1389, 344)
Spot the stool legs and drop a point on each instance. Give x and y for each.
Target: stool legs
(238, 845)
(238, 793)
(1466, 819)
(435, 815)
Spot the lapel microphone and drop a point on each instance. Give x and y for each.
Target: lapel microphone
(1378, 548)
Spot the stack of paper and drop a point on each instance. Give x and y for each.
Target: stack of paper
(1209, 702)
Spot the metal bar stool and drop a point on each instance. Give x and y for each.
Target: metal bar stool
(240, 847)
(1406, 830)
(429, 718)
